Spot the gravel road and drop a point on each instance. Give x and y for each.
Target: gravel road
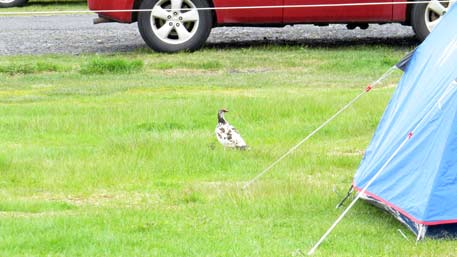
(75, 34)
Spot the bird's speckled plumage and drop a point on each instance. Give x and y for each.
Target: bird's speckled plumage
(226, 134)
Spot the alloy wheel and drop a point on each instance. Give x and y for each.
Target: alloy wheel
(174, 21)
(434, 11)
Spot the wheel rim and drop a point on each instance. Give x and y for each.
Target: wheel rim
(171, 24)
(6, 1)
(434, 11)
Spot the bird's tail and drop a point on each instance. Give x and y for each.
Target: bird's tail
(243, 148)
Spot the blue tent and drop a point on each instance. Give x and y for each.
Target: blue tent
(410, 166)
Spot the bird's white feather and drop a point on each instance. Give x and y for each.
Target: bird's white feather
(228, 136)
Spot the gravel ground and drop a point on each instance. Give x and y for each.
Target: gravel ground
(75, 34)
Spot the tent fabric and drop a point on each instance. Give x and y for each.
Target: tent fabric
(420, 182)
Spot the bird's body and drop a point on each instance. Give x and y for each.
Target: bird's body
(226, 134)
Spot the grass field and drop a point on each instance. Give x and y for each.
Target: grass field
(49, 5)
(115, 155)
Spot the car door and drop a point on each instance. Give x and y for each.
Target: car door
(249, 16)
(339, 14)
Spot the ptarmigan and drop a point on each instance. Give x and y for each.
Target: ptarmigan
(226, 134)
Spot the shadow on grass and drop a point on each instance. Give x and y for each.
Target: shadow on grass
(54, 2)
(409, 41)
(45, 4)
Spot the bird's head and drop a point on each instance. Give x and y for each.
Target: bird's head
(220, 115)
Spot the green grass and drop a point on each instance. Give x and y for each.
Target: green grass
(108, 66)
(48, 5)
(126, 163)
(34, 206)
(30, 67)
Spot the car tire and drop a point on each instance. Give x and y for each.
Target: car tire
(12, 3)
(425, 16)
(169, 31)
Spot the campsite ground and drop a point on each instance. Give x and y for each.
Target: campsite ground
(48, 5)
(114, 155)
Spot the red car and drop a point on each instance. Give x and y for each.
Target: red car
(175, 25)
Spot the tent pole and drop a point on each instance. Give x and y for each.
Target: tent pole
(291, 150)
(351, 189)
(451, 89)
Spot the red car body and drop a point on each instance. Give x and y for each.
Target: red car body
(384, 13)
